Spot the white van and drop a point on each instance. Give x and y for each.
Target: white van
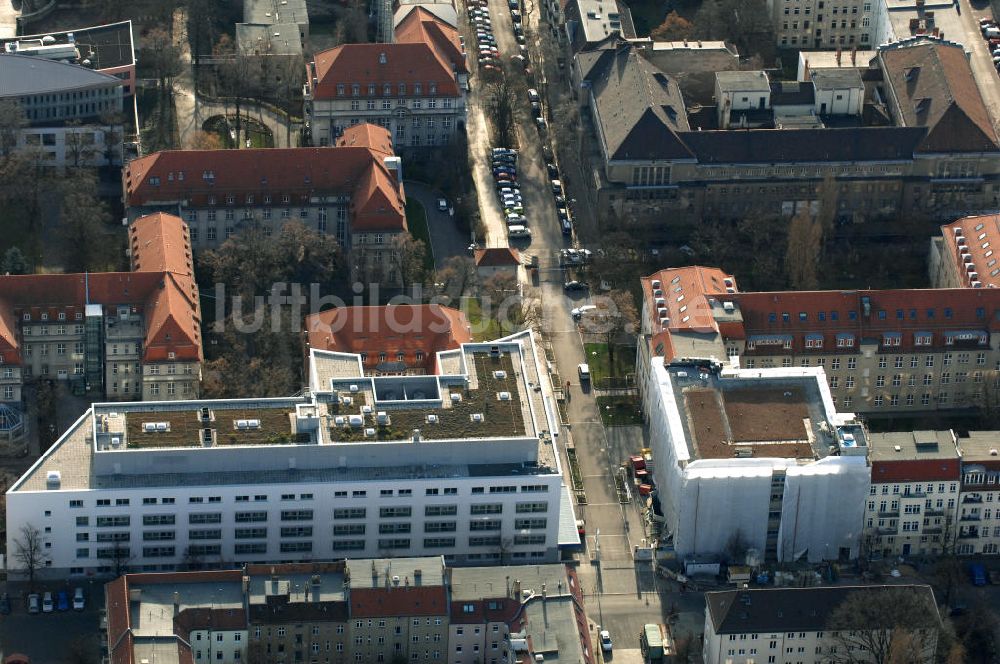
(518, 231)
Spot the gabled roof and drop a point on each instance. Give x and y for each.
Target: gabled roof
(976, 258)
(421, 25)
(355, 166)
(162, 289)
(640, 108)
(799, 609)
(381, 64)
(497, 257)
(933, 87)
(426, 328)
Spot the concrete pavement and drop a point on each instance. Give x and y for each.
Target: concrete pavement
(446, 239)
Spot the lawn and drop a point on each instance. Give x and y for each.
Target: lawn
(260, 136)
(482, 330)
(619, 410)
(416, 221)
(598, 360)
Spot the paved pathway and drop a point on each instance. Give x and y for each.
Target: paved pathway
(192, 111)
(446, 239)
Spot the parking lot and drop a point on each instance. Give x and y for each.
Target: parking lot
(60, 636)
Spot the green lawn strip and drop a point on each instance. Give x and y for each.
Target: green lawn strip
(416, 220)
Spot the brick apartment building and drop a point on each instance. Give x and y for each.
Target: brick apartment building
(912, 507)
(415, 87)
(353, 191)
(882, 350)
(123, 335)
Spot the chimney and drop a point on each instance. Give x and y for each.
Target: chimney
(177, 603)
(854, 56)
(416, 435)
(838, 56)
(394, 165)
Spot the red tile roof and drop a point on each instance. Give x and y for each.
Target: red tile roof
(497, 257)
(162, 290)
(388, 602)
(427, 328)
(684, 295)
(980, 237)
(426, 51)
(355, 167)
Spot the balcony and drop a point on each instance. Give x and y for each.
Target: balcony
(974, 498)
(914, 494)
(889, 513)
(968, 533)
(936, 511)
(970, 517)
(932, 530)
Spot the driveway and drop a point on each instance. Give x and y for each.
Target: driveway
(447, 239)
(49, 637)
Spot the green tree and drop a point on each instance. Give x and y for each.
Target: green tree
(13, 262)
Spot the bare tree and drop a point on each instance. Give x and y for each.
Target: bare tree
(885, 625)
(81, 222)
(29, 552)
(81, 148)
(163, 55)
(805, 240)
(408, 255)
(614, 317)
(736, 547)
(456, 276)
(499, 104)
(239, 79)
(12, 120)
(120, 556)
(499, 292)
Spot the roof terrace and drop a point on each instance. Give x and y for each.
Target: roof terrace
(757, 414)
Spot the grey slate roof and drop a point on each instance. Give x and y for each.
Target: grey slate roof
(798, 145)
(744, 81)
(836, 79)
(795, 609)
(28, 75)
(640, 108)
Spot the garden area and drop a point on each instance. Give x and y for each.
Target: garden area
(224, 129)
(416, 221)
(619, 410)
(599, 362)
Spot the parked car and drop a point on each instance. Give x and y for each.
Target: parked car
(571, 286)
(606, 640)
(62, 601)
(977, 574)
(515, 16)
(33, 603)
(556, 187)
(553, 171)
(443, 204)
(78, 601)
(533, 95)
(567, 227)
(583, 370)
(540, 122)
(518, 231)
(580, 312)
(47, 603)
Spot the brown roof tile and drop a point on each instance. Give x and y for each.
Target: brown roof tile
(497, 257)
(981, 243)
(427, 328)
(387, 602)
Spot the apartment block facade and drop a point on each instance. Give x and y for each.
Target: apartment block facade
(978, 525)
(807, 24)
(881, 350)
(124, 335)
(364, 465)
(352, 190)
(913, 503)
(415, 87)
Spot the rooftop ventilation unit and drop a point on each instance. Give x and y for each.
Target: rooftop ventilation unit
(340, 420)
(366, 409)
(353, 388)
(977, 284)
(53, 479)
(116, 442)
(347, 401)
(432, 418)
(728, 307)
(455, 397)
(476, 417)
(503, 396)
(743, 453)
(382, 418)
(370, 432)
(500, 374)
(355, 421)
(206, 437)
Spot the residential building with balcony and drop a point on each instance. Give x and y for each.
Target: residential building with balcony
(913, 503)
(910, 134)
(882, 351)
(122, 335)
(978, 531)
(415, 88)
(803, 625)
(462, 463)
(353, 191)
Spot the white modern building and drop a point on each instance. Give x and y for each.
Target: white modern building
(462, 464)
(763, 453)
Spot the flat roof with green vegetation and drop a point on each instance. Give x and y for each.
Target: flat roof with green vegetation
(233, 426)
(501, 418)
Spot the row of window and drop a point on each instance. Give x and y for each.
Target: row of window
(947, 359)
(386, 104)
(387, 89)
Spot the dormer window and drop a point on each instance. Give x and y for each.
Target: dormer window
(45, 316)
(433, 88)
(154, 181)
(340, 89)
(402, 89)
(249, 199)
(230, 199)
(371, 89)
(387, 90)
(355, 90)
